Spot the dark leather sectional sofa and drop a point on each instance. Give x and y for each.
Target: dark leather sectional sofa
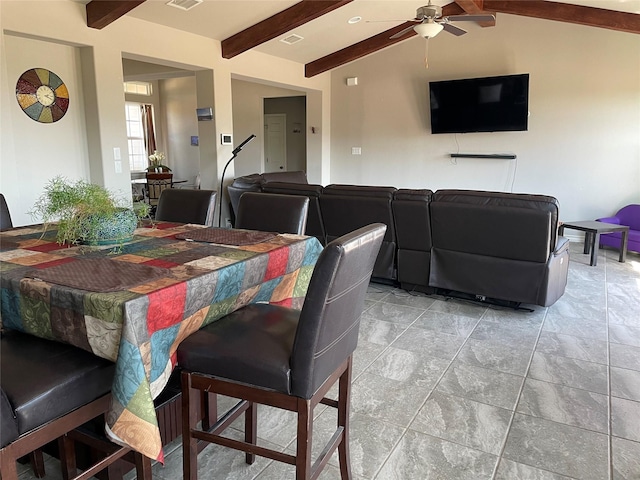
(488, 246)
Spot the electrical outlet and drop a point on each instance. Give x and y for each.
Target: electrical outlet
(356, 150)
(227, 222)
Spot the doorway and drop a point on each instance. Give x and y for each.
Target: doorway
(275, 142)
(292, 112)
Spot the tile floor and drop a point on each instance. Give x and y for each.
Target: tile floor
(445, 389)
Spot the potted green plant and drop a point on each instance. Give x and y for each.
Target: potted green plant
(87, 213)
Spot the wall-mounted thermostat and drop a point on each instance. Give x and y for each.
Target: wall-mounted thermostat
(226, 139)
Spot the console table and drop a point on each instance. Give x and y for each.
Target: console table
(592, 231)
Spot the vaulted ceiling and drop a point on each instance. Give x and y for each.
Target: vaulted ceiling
(328, 38)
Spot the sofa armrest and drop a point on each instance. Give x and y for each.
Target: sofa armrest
(562, 244)
(614, 220)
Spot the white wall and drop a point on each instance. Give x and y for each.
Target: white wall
(583, 142)
(179, 102)
(90, 62)
(41, 150)
(248, 109)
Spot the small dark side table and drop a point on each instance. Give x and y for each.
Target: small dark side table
(592, 231)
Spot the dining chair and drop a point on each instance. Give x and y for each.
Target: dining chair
(48, 389)
(271, 212)
(186, 206)
(285, 358)
(5, 215)
(156, 184)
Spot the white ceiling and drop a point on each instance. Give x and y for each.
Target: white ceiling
(220, 19)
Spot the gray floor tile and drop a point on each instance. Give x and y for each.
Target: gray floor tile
(449, 323)
(406, 366)
(429, 343)
(570, 372)
(625, 383)
(579, 304)
(509, 470)
(570, 346)
(625, 419)
(625, 459)
(561, 404)
(458, 307)
(482, 385)
(624, 334)
(469, 423)
(423, 457)
(414, 299)
(576, 326)
(516, 318)
(496, 356)
(512, 335)
(393, 313)
(387, 400)
(377, 331)
(558, 448)
(624, 356)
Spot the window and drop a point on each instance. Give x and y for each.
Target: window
(138, 88)
(138, 157)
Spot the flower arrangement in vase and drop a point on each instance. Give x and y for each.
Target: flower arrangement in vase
(155, 162)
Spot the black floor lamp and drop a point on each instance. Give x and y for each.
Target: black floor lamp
(235, 152)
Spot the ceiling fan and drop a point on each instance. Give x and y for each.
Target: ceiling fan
(430, 22)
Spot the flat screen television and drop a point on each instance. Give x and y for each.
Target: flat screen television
(488, 104)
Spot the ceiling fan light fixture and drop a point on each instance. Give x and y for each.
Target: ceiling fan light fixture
(428, 30)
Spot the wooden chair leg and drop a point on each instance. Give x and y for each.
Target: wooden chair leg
(67, 454)
(143, 467)
(344, 406)
(190, 416)
(251, 430)
(36, 458)
(304, 440)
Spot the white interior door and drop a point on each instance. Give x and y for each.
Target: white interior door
(275, 142)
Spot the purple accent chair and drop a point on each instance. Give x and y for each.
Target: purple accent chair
(629, 215)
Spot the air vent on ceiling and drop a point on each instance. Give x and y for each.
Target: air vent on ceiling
(184, 4)
(291, 39)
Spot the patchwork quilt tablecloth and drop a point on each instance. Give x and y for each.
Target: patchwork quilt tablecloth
(135, 315)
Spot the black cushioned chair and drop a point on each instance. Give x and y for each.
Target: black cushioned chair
(48, 390)
(186, 206)
(5, 216)
(347, 207)
(413, 230)
(272, 212)
(284, 358)
(315, 224)
(494, 245)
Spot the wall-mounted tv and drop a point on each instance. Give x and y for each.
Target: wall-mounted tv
(488, 104)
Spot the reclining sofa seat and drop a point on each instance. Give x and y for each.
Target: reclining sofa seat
(348, 207)
(498, 245)
(315, 223)
(255, 182)
(413, 229)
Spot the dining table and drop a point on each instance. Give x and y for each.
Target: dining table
(135, 302)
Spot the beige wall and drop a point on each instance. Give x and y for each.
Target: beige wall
(90, 62)
(583, 142)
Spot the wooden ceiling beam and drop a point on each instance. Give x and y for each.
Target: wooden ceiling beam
(565, 12)
(368, 46)
(476, 7)
(101, 13)
(278, 24)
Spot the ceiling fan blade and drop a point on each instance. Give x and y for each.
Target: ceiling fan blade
(457, 31)
(470, 18)
(401, 33)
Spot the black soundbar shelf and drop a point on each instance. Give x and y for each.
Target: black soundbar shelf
(500, 156)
